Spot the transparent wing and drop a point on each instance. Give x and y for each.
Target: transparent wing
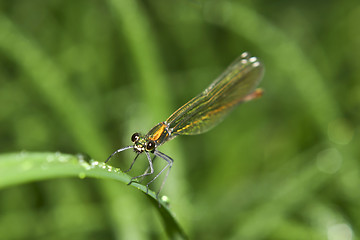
(236, 85)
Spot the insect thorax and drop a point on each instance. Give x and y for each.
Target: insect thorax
(160, 133)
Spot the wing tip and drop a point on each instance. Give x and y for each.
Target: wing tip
(259, 92)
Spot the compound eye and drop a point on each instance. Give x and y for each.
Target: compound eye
(150, 145)
(135, 137)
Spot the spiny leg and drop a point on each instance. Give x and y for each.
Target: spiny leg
(147, 169)
(169, 161)
(132, 163)
(146, 173)
(117, 151)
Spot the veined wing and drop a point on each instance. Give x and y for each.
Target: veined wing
(236, 85)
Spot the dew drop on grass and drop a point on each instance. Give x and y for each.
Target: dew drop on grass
(85, 157)
(165, 199)
(83, 163)
(82, 175)
(98, 164)
(94, 163)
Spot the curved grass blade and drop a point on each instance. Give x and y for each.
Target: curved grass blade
(25, 167)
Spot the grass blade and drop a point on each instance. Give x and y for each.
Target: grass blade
(24, 167)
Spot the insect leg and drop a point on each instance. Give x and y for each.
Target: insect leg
(148, 168)
(169, 161)
(117, 151)
(132, 163)
(146, 173)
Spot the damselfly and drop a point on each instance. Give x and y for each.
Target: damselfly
(234, 86)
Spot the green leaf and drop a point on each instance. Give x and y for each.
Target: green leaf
(25, 167)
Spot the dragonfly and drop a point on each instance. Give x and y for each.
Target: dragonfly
(236, 85)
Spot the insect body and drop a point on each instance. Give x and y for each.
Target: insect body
(234, 86)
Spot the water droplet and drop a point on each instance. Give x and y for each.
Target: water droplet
(245, 55)
(252, 59)
(83, 163)
(94, 163)
(165, 199)
(84, 157)
(244, 61)
(256, 64)
(82, 175)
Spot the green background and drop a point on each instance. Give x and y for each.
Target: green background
(82, 76)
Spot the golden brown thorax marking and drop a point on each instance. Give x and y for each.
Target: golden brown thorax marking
(158, 133)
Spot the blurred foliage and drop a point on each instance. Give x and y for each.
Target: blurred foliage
(82, 76)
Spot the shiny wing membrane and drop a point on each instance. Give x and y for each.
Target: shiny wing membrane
(234, 86)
